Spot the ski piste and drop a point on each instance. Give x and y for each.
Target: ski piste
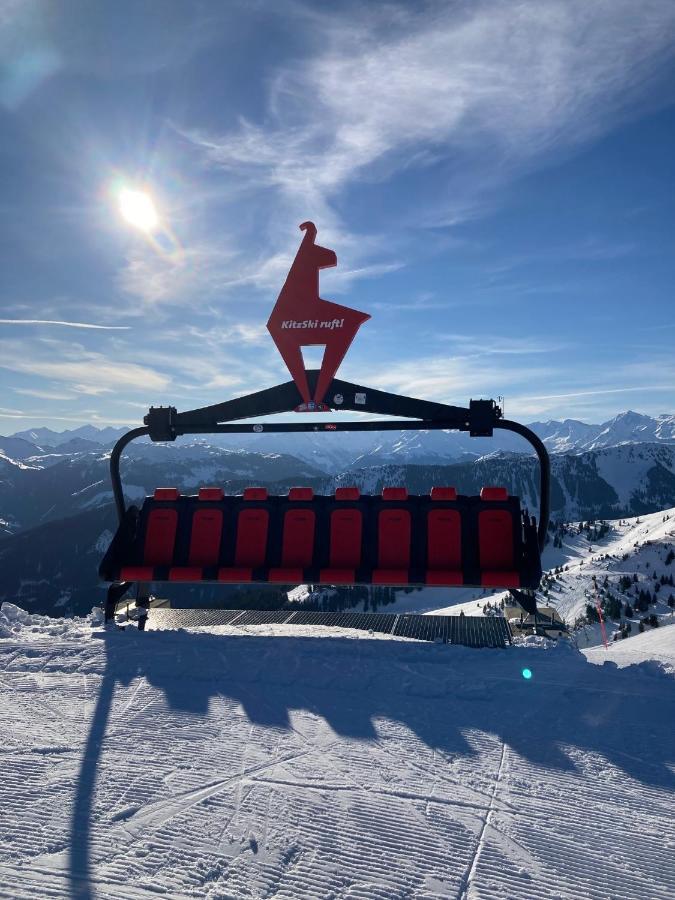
(300, 762)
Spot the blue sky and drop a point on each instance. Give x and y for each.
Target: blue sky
(496, 178)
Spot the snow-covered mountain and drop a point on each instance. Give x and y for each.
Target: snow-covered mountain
(47, 437)
(329, 452)
(63, 518)
(612, 482)
(56, 485)
(622, 480)
(630, 427)
(40, 487)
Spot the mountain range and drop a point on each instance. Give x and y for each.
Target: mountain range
(325, 453)
(57, 518)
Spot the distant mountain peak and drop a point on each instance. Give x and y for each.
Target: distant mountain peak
(327, 451)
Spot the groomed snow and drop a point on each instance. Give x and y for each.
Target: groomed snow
(225, 765)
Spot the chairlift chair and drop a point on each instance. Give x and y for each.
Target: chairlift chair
(440, 539)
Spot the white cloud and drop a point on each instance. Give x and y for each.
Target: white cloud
(42, 418)
(511, 82)
(455, 379)
(482, 345)
(487, 89)
(66, 324)
(159, 278)
(42, 395)
(85, 371)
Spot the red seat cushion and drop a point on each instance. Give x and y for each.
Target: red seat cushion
(298, 538)
(234, 575)
(443, 493)
(347, 493)
(207, 527)
(337, 576)
(345, 538)
(444, 577)
(186, 573)
(136, 573)
(394, 493)
(444, 539)
(255, 493)
(506, 579)
(211, 493)
(393, 550)
(251, 545)
(390, 576)
(166, 493)
(286, 575)
(494, 493)
(160, 537)
(301, 493)
(495, 539)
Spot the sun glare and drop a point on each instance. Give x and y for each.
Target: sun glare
(138, 209)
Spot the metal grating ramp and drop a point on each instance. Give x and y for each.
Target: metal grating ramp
(382, 623)
(163, 617)
(470, 631)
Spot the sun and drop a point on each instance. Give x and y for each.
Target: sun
(138, 209)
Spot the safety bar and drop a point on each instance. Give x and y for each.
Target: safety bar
(481, 417)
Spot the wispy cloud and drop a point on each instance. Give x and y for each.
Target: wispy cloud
(42, 395)
(452, 379)
(66, 324)
(212, 272)
(483, 92)
(650, 382)
(516, 81)
(600, 392)
(85, 371)
(12, 413)
(199, 272)
(455, 379)
(46, 417)
(484, 345)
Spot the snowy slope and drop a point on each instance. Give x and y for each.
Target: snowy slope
(222, 765)
(636, 547)
(655, 645)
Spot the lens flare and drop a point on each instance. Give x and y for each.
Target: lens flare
(138, 209)
(527, 674)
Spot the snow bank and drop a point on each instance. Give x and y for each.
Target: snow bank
(14, 621)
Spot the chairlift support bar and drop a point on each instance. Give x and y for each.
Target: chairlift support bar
(479, 419)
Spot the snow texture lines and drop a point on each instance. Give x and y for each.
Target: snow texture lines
(468, 878)
(228, 765)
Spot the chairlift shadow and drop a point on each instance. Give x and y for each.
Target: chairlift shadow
(445, 695)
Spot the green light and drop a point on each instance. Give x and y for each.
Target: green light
(527, 674)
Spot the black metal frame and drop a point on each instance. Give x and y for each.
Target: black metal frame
(165, 423)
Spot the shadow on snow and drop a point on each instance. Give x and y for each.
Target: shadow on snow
(440, 693)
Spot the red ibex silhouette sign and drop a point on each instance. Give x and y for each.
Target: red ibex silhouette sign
(300, 318)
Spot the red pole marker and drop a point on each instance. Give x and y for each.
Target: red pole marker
(300, 318)
(603, 630)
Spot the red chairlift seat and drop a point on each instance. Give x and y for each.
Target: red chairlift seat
(440, 539)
